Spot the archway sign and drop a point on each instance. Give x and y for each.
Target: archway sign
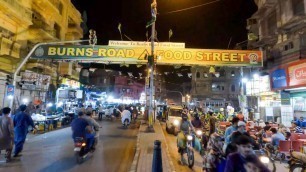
(167, 54)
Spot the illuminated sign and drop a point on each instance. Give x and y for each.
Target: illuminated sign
(297, 74)
(146, 44)
(137, 55)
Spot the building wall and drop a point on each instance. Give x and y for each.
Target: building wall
(27, 22)
(126, 87)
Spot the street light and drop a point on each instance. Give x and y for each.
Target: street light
(255, 76)
(244, 80)
(25, 101)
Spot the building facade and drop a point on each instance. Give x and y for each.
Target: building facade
(25, 23)
(279, 29)
(214, 91)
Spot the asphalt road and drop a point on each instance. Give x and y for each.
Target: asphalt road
(53, 151)
(175, 156)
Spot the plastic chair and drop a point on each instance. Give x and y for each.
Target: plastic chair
(303, 136)
(294, 136)
(296, 146)
(284, 146)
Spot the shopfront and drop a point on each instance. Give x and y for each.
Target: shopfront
(297, 88)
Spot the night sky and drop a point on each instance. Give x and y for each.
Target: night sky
(210, 26)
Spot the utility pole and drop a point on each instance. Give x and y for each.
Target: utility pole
(152, 63)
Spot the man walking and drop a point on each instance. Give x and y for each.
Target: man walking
(6, 133)
(21, 124)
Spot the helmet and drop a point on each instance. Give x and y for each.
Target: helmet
(221, 109)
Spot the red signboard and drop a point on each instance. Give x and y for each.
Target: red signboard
(297, 74)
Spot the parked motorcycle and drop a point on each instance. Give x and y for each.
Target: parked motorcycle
(297, 162)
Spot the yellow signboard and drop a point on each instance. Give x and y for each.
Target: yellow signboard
(164, 56)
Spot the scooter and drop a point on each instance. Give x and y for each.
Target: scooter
(80, 151)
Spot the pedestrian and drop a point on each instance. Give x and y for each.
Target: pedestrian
(6, 133)
(21, 123)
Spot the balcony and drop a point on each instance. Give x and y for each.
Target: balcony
(9, 48)
(41, 31)
(76, 30)
(16, 11)
(263, 7)
(53, 5)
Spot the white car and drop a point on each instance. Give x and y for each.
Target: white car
(173, 119)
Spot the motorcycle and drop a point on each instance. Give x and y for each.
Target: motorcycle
(188, 149)
(265, 158)
(80, 150)
(126, 123)
(297, 162)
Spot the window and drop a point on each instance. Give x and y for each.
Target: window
(233, 89)
(298, 7)
(217, 87)
(198, 74)
(272, 24)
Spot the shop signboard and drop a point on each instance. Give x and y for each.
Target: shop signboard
(138, 55)
(285, 98)
(297, 74)
(278, 79)
(34, 81)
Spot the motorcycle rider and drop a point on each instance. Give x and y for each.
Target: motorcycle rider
(93, 136)
(80, 127)
(196, 122)
(185, 128)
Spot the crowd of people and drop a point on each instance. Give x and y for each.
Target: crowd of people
(233, 149)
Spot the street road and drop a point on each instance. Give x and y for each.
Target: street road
(175, 156)
(53, 152)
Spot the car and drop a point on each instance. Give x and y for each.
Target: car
(173, 119)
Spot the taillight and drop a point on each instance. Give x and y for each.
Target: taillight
(78, 144)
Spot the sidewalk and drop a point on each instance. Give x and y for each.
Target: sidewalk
(145, 148)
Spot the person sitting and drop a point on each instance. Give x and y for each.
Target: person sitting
(297, 129)
(275, 138)
(301, 123)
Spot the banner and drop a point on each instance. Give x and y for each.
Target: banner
(10, 89)
(138, 55)
(278, 78)
(285, 98)
(297, 74)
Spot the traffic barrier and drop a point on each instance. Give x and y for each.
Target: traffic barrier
(157, 165)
